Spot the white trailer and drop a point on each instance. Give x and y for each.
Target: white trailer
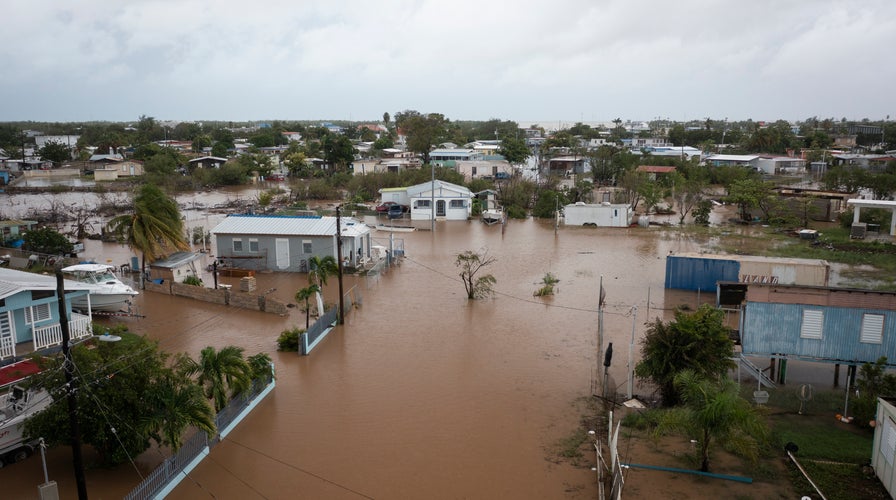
(603, 215)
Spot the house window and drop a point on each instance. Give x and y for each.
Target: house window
(37, 313)
(812, 324)
(306, 246)
(422, 203)
(872, 329)
(458, 204)
(253, 244)
(237, 245)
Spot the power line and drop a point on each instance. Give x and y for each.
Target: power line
(296, 467)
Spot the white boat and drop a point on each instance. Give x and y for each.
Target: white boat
(15, 407)
(492, 213)
(107, 292)
(395, 229)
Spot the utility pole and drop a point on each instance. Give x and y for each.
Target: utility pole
(631, 350)
(339, 263)
(77, 459)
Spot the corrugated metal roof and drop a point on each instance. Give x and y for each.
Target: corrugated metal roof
(13, 281)
(284, 225)
(176, 259)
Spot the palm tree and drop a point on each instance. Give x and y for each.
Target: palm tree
(304, 294)
(222, 374)
(319, 269)
(154, 227)
(713, 411)
(260, 366)
(177, 403)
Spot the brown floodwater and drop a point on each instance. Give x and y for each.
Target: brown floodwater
(422, 393)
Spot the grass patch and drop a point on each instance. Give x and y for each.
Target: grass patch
(837, 480)
(841, 443)
(570, 446)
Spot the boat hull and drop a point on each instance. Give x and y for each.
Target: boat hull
(111, 302)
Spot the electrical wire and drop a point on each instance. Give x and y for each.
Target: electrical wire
(295, 467)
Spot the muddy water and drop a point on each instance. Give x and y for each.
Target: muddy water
(422, 393)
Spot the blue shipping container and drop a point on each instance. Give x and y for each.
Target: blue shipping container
(699, 273)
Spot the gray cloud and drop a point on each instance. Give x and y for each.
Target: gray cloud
(568, 59)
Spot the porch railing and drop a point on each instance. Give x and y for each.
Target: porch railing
(46, 336)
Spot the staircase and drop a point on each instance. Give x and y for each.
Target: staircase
(755, 371)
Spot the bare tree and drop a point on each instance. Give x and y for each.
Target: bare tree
(470, 264)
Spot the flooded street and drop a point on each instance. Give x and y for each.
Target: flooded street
(422, 393)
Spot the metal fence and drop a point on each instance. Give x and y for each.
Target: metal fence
(316, 332)
(196, 445)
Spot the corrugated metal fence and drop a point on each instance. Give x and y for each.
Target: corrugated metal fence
(316, 332)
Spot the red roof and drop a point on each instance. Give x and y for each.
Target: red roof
(17, 371)
(650, 169)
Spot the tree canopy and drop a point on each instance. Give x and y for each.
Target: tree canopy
(154, 227)
(697, 341)
(47, 240)
(126, 396)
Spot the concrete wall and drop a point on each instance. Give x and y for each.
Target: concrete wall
(221, 296)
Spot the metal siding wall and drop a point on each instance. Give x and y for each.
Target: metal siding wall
(690, 273)
(775, 328)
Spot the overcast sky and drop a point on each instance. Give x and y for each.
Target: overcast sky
(528, 61)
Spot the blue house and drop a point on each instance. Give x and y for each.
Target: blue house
(833, 325)
(29, 313)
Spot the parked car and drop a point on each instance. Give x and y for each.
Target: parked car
(502, 175)
(277, 177)
(385, 206)
(395, 211)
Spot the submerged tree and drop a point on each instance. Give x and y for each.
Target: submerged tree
(713, 412)
(698, 341)
(470, 264)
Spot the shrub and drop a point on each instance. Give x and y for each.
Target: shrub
(193, 280)
(289, 339)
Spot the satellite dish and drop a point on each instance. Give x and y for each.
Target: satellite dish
(804, 393)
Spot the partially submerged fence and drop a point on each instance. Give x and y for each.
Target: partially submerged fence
(325, 323)
(171, 471)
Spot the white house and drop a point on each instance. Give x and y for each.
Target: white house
(452, 202)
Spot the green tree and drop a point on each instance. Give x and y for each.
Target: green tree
(752, 193)
(549, 201)
(423, 132)
(514, 149)
(55, 152)
(120, 399)
(221, 373)
(873, 382)
(175, 403)
(713, 412)
(304, 295)
(471, 264)
(154, 227)
(698, 341)
(319, 270)
(687, 193)
(219, 149)
(47, 240)
(338, 151)
(702, 212)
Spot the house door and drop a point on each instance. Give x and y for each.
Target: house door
(440, 208)
(282, 248)
(7, 337)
